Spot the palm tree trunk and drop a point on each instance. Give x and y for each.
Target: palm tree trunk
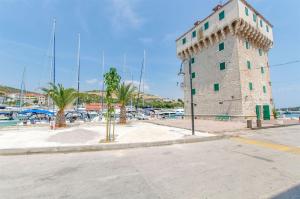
(123, 115)
(60, 119)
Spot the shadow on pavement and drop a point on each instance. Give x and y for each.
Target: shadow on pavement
(292, 193)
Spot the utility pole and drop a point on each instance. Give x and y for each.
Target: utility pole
(192, 97)
(191, 89)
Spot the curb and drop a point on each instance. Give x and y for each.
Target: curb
(105, 147)
(273, 127)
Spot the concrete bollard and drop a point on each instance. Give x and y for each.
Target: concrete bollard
(249, 124)
(258, 123)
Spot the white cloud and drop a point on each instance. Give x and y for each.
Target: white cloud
(124, 14)
(92, 81)
(136, 84)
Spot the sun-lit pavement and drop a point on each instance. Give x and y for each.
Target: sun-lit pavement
(89, 134)
(227, 168)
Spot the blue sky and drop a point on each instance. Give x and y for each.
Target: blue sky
(120, 27)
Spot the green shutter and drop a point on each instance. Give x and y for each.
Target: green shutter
(192, 60)
(264, 89)
(194, 34)
(222, 66)
(193, 75)
(260, 52)
(254, 17)
(266, 112)
(206, 25)
(221, 15)
(262, 70)
(261, 23)
(248, 64)
(221, 46)
(183, 40)
(193, 91)
(246, 11)
(216, 87)
(267, 27)
(247, 45)
(250, 86)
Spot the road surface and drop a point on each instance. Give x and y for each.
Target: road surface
(263, 164)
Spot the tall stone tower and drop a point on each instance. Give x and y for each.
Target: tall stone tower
(228, 51)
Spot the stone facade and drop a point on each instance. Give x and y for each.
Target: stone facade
(229, 59)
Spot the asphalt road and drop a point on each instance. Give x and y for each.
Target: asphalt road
(263, 164)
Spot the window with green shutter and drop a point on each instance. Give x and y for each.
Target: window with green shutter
(254, 17)
(261, 23)
(246, 11)
(221, 15)
(216, 87)
(206, 25)
(250, 86)
(247, 45)
(248, 64)
(193, 91)
(262, 70)
(260, 52)
(183, 40)
(192, 60)
(264, 89)
(193, 75)
(194, 34)
(222, 66)
(267, 27)
(221, 46)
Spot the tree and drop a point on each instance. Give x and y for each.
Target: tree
(275, 113)
(124, 93)
(62, 98)
(111, 81)
(35, 101)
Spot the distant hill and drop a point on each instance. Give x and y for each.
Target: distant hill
(8, 90)
(146, 96)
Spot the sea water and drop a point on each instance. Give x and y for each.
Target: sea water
(4, 123)
(291, 115)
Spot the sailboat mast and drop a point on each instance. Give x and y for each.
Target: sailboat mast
(144, 68)
(53, 53)
(53, 60)
(78, 71)
(102, 92)
(22, 88)
(124, 67)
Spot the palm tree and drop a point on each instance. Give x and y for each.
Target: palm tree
(62, 98)
(124, 93)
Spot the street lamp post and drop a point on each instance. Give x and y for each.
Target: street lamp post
(191, 90)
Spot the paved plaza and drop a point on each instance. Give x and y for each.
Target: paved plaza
(89, 134)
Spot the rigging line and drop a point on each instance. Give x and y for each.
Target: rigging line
(47, 57)
(287, 63)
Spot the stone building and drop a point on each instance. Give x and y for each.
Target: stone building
(228, 51)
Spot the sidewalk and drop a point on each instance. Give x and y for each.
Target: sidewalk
(88, 136)
(209, 126)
